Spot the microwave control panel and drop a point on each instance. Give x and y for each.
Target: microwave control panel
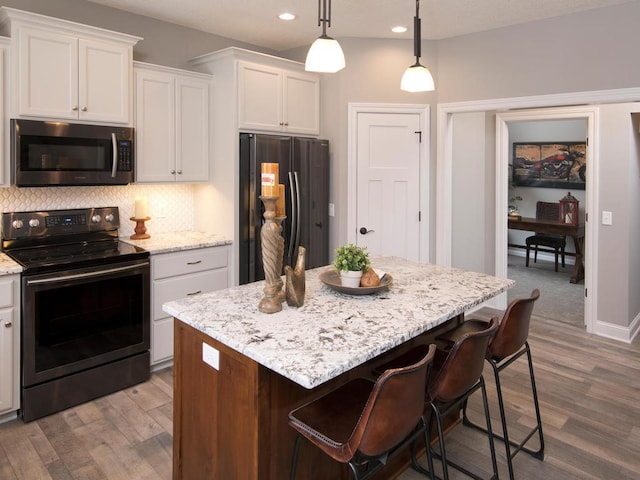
(125, 155)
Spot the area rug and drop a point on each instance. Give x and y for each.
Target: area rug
(559, 300)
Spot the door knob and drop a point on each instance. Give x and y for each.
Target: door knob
(364, 231)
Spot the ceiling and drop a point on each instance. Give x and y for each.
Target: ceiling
(256, 21)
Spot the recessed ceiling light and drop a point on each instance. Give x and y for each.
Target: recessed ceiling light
(286, 16)
(399, 29)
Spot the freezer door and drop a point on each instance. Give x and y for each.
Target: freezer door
(254, 150)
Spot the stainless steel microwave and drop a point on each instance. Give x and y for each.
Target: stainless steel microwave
(45, 154)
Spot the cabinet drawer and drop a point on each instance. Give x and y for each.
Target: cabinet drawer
(184, 286)
(191, 261)
(6, 292)
(162, 340)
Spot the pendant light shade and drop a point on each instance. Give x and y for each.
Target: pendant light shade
(417, 78)
(325, 54)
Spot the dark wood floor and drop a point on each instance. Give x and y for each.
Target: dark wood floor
(589, 390)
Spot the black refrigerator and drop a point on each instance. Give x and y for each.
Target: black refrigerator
(304, 170)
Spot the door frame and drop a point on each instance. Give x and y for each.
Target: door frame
(423, 110)
(590, 114)
(444, 170)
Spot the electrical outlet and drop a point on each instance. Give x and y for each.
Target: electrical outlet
(332, 210)
(211, 356)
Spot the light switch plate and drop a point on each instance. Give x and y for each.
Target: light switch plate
(332, 210)
(607, 218)
(210, 356)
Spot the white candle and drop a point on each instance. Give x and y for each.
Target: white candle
(141, 209)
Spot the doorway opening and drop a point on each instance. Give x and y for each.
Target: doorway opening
(541, 150)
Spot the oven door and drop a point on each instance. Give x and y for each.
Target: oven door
(79, 319)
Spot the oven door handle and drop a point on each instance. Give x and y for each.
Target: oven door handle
(64, 278)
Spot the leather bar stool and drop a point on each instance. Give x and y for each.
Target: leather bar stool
(456, 374)
(508, 344)
(363, 423)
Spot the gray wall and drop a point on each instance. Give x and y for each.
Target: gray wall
(163, 44)
(592, 50)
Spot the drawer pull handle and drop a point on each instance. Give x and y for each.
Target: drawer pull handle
(8, 324)
(194, 293)
(194, 263)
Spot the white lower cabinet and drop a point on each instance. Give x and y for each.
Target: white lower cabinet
(9, 344)
(178, 275)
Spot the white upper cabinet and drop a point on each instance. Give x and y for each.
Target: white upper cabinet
(172, 125)
(70, 71)
(277, 99)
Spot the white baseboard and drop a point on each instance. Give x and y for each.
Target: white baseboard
(618, 332)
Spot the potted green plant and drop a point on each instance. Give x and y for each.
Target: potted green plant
(351, 261)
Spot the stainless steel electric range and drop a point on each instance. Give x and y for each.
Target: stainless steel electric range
(85, 307)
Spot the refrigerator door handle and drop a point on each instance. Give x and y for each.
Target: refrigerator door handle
(297, 244)
(294, 215)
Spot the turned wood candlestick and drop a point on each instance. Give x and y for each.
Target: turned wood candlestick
(140, 230)
(270, 239)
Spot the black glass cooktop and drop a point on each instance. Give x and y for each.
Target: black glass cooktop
(75, 255)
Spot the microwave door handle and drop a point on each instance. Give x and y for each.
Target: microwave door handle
(114, 146)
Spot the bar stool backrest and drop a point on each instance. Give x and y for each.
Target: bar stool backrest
(463, 365)
(394, 408)
(514, 328)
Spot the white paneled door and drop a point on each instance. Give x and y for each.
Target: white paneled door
(388, 183)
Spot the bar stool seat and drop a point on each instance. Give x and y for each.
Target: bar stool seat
(508, 344)
(363, 423)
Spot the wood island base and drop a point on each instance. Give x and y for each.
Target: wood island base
(230, 422)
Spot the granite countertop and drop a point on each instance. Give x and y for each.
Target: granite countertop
(8, 266)
(178, 241)
(334, 332)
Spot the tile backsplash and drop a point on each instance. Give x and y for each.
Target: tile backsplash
(171, 207)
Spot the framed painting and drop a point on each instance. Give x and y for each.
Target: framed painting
(550, 165)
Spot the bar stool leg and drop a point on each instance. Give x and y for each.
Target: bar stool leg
(494, 461)
(294, 459)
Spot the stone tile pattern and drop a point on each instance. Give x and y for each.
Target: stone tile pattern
(334, 332)
(8, 266)
(171, 207)
(178, 241)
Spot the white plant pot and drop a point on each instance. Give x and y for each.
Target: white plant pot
(350, 279)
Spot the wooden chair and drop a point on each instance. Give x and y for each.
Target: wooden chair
(363, 423)
(547, 211)
(508, 344)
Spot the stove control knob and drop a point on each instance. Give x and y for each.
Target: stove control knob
(96, 218)
(17, 224)
(108, 217)
(34, 223)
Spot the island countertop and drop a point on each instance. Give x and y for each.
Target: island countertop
(334, 332)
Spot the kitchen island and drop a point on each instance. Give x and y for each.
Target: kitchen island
(238, 372)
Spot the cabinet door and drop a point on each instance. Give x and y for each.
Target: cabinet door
(8, 344)
(155, 127)
(259, 97)
(301, 103)
(192, 130)
(47, 74)
(103, 82)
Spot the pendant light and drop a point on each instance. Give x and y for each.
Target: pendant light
(325, 54)
(417, 78)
